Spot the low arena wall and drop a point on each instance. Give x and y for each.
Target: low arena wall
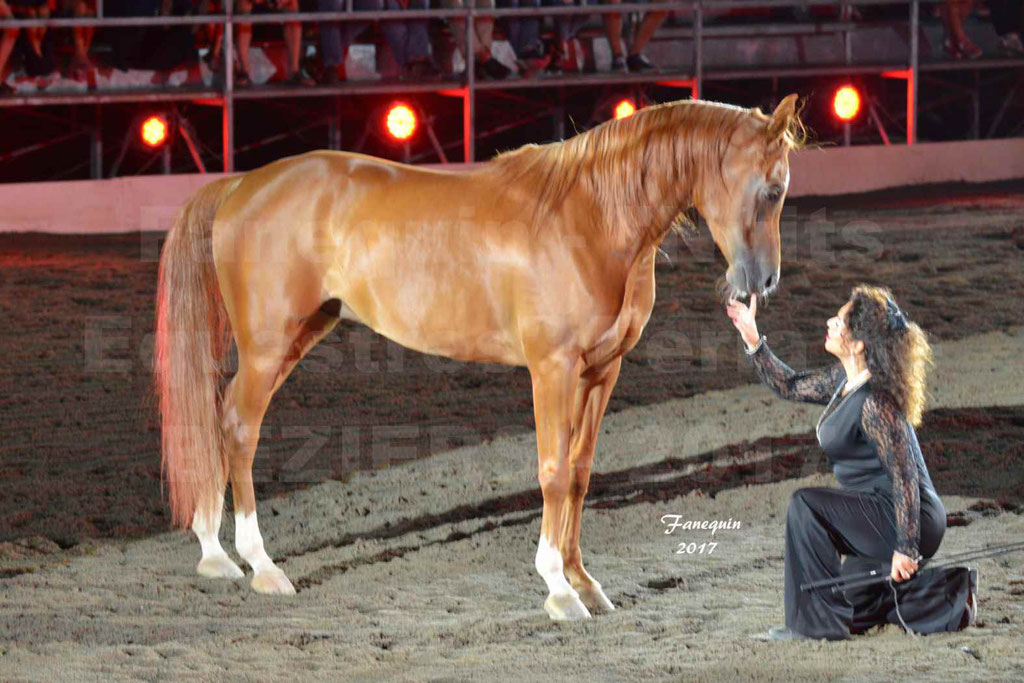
(150, 202)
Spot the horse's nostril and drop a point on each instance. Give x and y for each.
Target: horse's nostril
(769, 282)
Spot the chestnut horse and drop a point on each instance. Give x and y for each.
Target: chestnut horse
(542, 257)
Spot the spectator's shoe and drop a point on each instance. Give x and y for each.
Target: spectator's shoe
(79, 69)
(1011, 45)
(535, 51)
(420, 70)
(785, 633)
(300, 78)
(532, 61)
(242, 80)
(495, 69)
(563, 58)
(619, 64)
(639, 63)
(962, 49)
(215, 62)
(330, 76)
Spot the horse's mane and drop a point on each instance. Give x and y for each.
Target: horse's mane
(672, 142)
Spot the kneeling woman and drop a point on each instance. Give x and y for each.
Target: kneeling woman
(886, 506)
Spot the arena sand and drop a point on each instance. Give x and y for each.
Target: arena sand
(425, 571)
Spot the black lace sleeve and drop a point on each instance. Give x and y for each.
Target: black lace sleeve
(811, 386)
(882, 421)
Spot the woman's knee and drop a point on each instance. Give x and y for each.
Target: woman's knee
(798, 506)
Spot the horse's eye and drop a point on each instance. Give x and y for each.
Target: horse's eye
(773, 193)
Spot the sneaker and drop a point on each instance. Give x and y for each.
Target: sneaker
(496, 70)
(534, 51)
(79, 69)
(563, 58)
(962, 50)
(639, 63)
(1011, 45)
(242, 80)
(619, 64)
(300, 78)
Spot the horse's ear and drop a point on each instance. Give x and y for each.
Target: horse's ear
(782, 118)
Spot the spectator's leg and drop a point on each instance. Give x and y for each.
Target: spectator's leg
(292, 37)
(957, 42)
(484, 29)
(417, 42)
(244, 35)
(353, 29)
(524, 34)
(83, 35)
(36, 35)
(650, 24)
(395, 33)
(513, 27)
(331, 48)
(7, 39)
(215, 34)
(613, 28)
(458, 26)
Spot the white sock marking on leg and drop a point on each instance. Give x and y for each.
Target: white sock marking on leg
(208, 531)
(549, 566)
(249, 542)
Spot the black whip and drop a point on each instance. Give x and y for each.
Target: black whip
(879, 576)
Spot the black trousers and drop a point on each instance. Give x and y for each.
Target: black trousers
(823, 523)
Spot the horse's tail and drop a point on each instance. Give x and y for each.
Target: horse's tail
(192, 336)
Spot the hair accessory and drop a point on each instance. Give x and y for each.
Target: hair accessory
(897, 319)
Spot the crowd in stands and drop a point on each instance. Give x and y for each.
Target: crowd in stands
(412, 43)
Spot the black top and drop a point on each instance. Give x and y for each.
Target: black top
(870, 445)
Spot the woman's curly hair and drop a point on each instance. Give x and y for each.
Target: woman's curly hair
(896, 349)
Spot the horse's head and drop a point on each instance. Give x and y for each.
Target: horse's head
(743, 203)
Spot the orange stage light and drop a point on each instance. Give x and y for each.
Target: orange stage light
(846, 103)
(400, 121)
(624, 109)
(153, 131)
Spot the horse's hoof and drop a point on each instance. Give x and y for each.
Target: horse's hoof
(565, 607)
(219, 567)
(272, 582)
(594, 598)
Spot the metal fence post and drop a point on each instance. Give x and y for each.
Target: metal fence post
(228, 110)
(469, 102)
(915, 12)
(698, 51)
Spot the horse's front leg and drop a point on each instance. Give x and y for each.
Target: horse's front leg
(592, 394)
(554, 385)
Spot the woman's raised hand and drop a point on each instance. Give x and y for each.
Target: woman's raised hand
(743, 318)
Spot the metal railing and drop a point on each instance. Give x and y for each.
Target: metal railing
(467, 88)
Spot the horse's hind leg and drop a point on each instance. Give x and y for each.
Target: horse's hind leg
(260, 372)
(215, 563)
(591, 400)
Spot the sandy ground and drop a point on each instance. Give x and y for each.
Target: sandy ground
(425, 571)
(421, 568)
(78, 434)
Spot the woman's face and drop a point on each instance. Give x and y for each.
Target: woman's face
(837, 337)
